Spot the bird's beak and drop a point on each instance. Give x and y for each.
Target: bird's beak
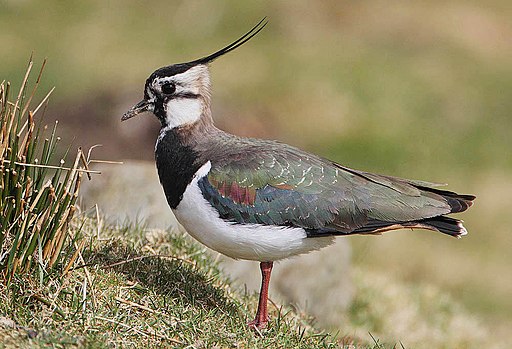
(138, 108)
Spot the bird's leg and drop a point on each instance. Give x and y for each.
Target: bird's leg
(261, 319)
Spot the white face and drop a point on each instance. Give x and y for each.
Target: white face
(182, 98)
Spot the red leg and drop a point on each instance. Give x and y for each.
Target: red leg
(262, 314)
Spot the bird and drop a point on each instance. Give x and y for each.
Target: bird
(262, 200)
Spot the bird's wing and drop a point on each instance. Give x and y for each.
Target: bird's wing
(292, 188)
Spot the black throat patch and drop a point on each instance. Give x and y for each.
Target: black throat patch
(177, 164)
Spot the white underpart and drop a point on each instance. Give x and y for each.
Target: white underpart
(240, 241)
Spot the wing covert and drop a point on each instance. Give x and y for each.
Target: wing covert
(292, 188)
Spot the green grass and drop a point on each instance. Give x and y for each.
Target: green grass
(141, 288)
(37, 193)
(152, 289)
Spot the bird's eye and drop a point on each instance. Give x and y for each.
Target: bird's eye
(168, 88)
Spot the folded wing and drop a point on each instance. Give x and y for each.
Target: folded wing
(293, 188)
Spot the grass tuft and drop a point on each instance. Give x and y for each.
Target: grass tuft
(37, 196)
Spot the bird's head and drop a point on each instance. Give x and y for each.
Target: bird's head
(179, 94)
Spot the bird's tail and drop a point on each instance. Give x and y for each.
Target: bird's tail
(442, 224)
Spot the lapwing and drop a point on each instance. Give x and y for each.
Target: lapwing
(262, 200)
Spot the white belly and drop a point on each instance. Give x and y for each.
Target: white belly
(240, 241)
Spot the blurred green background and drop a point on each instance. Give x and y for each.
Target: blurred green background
(417, 89)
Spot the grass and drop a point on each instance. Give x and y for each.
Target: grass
(142, 288)
(37, 196)
(147, 290)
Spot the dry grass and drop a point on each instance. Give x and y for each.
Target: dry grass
(420, 315)
(37, 196)
(143, 289)
(152, 288)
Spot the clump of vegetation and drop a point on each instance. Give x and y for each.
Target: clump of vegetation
(37, 196)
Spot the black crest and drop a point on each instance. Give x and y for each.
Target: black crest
(183, 67)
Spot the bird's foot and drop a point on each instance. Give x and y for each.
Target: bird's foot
(258, 324)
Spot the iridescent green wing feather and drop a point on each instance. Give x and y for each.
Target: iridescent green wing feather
(284, 186)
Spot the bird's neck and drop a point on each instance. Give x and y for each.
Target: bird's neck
(179, 156)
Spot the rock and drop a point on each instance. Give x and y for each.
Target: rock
(128, 192)
(319, 283)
